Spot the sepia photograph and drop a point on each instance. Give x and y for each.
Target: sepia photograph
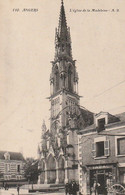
(62, 97)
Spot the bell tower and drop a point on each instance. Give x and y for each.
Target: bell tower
(58, 152)
(64, 78)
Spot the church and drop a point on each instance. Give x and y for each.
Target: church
(58, 148)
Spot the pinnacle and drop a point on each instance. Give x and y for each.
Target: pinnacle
(62, 18)
(38, 149)
(62, 36)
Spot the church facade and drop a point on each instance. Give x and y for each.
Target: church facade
(58, 149)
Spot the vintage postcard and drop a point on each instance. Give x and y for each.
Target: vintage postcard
(62, 96)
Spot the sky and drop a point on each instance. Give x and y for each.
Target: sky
(27, 47)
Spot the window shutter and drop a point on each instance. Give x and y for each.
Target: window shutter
(106, 147)
(94, 149)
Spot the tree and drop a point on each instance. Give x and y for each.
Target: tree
(31, 170)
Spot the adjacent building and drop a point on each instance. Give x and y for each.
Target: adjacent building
(11, 166)
(102, 152)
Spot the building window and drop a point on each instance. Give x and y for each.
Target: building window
(101, 124)
(70, 79)
(100, 149)
(7, 167)
(57, 80)
(121, 146)
(19, 177)
(18, 168)
(71, 105)
(55, 107)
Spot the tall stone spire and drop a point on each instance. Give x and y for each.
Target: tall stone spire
(63, 78)
(62, 37)
(62, 29)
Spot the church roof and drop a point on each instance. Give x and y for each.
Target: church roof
(13, 155)
(87, 116)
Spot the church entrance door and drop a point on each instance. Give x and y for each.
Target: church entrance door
(51, 169)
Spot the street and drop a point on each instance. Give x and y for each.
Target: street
(13, 191)
(56, 193)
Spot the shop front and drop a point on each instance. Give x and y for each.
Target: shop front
(121, 173)
(100, 178)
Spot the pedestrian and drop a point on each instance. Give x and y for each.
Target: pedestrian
(18, 189)
(98, 188)
(66, 188)
(70, 188)
(77, 187)
(95, 188)
(5, 186)
(74, 188)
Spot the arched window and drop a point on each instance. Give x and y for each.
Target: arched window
(51, 163)
(42, 176)
(70, 78)
(56, 79)
(61, 163)
(61, 169)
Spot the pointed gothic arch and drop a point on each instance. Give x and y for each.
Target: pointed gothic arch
(56, 78)
(51, 169)
(61, 169)
(42, 175)
(70, 78)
